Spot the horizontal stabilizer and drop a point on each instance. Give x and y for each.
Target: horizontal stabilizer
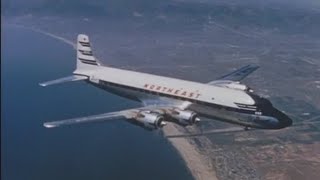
(64, 80)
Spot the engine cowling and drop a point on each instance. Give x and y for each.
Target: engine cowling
(151, 120)
(185, 117)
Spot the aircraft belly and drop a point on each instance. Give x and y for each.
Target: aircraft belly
(225, 115)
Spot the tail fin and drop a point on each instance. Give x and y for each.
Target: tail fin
(85, 58)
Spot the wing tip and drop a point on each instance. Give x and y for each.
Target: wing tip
(254, 66)
(43, 84)
(48, 125)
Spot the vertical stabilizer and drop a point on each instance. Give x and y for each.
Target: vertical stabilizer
(85, 58)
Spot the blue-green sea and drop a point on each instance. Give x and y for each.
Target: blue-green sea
(116, 150)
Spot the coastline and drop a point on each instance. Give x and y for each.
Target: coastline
(198, 165)
(45, 33)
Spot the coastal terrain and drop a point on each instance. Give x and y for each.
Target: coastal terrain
(201, 42)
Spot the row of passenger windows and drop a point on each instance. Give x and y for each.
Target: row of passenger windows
(153, 92)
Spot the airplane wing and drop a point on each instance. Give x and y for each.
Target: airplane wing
(238, 74)
(118, 115)
(130, 113)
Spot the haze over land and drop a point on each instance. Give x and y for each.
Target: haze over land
(199, 41)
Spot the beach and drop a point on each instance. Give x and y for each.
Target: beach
(200, 167)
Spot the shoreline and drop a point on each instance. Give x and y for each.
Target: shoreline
(198, 165)
(45, 33)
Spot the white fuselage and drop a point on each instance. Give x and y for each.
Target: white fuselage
(170, 86)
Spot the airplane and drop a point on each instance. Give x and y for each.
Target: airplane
(166, 99)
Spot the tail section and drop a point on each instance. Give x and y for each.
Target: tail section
(85, 58)
(85, 61)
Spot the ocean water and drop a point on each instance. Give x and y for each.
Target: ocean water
(116, 150)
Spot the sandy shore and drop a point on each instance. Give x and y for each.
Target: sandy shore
(200, 167)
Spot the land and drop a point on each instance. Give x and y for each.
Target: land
(201, 48)
(200, 167)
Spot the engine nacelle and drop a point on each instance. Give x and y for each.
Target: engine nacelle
(151, 120)
(185, 117)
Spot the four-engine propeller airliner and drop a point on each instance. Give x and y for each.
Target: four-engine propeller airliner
(169, 99)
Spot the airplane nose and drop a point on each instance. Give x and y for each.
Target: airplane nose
(284, 120)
